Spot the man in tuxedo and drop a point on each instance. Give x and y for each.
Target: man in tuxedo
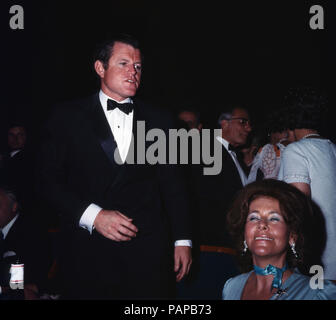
(17, 168)
(21, 240)
(126, 226)
(216, 264)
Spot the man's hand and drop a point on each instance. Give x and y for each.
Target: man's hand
(182, 258)
(115, 226)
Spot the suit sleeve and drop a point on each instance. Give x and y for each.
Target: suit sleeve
(175, 195)
(51, 183)
(294, 165)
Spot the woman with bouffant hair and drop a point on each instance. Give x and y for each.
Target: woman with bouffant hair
(309, 163)
(277, 231)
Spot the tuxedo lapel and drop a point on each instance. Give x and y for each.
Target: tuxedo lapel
(106, 140)
(102, 129)
(133, 152)
(230, 166)
(105, 136)
(12, 235)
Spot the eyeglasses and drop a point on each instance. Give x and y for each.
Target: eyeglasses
(243, 121)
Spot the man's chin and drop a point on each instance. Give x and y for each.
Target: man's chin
(130, 93)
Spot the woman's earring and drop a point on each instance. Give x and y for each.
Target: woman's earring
(292, 245)
(245, 247)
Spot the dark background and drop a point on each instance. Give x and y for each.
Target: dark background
(206, 53)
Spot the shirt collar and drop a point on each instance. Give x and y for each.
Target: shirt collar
(224, 142)
(8, 226)
(13, 153)
(104, 97)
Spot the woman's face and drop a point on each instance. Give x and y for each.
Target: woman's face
(266, 232)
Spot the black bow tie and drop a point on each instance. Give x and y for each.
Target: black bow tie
(124, 107)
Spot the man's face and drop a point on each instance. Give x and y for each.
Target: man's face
(7, 209)
(238, 128)
(16, 138)
(121, 79)
(190, 118)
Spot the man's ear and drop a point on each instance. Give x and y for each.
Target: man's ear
(224, 124)
(14, 208)
(99, 68)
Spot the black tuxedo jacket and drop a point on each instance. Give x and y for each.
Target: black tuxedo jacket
(77, 168)
(218, 192)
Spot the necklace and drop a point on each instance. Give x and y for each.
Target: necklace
(310, 135)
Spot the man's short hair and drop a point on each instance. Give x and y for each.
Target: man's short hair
(9, 192)
(191, 110)
(15, 124)
(227, 113)
(104, 50)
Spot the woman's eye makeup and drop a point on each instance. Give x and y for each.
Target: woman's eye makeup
(253, 217)
(272, 217)
(275, 217)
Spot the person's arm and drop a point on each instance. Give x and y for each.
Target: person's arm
(304, 187)
(52, 168)
(175, 198)
(254, 168)
(294, 168)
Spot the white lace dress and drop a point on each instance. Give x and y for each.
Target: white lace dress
(268, 161)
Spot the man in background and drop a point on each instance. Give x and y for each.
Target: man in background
(18, 166)
(21, 240)
(216, 260)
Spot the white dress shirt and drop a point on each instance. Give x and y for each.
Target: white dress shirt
(233, 155)
(121, 125)
(13, 153)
